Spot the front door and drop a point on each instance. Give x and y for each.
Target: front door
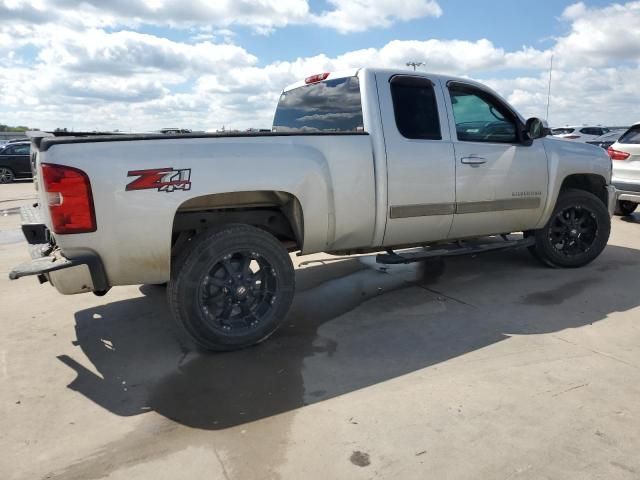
(501, 179)
(420, 161)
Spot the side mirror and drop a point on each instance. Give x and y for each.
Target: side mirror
(536, 128)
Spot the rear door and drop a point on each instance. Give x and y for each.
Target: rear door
(627, 168)
(420, 160)
(501, 181)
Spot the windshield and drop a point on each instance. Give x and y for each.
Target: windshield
(562, 131)
(329, 106)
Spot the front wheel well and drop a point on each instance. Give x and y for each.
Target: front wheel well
(592, 183)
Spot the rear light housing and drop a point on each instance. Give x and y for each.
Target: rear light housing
(70, 200)
(617, 154)
(316, 78)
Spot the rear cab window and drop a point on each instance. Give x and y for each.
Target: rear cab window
(415, 108)
(327, 106)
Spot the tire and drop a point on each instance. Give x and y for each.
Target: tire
(6, 175)
(576, 233)
(231, 287)
(625, 208)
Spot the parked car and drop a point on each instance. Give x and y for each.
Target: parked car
(625, 156)
(580, 134)
(608, 139)
(357, 162)
(15, 161)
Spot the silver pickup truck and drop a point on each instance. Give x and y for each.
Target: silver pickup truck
(360, 161)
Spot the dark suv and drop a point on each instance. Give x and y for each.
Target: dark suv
(14, 161)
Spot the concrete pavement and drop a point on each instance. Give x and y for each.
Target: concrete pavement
(490, 367)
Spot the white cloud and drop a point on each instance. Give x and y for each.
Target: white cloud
(90, 77)
(262, 15)
(599, 36)
(361, 15)
(126, 53)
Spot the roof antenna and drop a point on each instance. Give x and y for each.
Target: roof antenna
(415, 65)
(549, 90)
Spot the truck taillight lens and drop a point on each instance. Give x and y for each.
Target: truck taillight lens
(70, 200)
(617, 154)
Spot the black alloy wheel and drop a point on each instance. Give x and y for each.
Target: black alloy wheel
(238, 292)
(231, 287)
(573, 231)
(576, 233)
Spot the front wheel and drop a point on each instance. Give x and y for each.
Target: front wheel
(231, 287)
(625, 208)
(576, 233)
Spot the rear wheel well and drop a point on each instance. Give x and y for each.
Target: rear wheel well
(592, 183)
(278, 213)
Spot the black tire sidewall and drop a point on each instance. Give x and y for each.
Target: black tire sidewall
(549, 255)
(206, 250)
(625, 208)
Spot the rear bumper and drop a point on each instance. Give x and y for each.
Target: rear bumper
(629, 191)
(611, 199)
(83, 272)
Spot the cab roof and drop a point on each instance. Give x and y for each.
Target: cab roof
(391, 71)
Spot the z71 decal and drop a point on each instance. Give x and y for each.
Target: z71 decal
(163, 179)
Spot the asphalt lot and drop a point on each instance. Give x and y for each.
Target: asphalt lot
(490, 367)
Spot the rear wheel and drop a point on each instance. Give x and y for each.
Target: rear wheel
(625, 208)
(232, 287)
(6, 175)
(576, 233)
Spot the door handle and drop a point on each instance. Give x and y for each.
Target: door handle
(473, 160)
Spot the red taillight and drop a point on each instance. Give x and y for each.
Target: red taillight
(70, 199)
(316, 78)
(617, 154)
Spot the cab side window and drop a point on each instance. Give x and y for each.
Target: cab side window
(481, 118)
(415, 107)
(21, 150)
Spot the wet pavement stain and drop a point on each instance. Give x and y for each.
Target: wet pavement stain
(360, 459)
(559, 294)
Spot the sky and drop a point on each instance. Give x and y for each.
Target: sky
(140, 65)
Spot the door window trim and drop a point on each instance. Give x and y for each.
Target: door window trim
(493, 98)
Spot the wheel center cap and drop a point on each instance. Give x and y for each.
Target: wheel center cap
(241, 291)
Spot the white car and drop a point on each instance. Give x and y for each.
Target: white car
(625, 156)
(581, 134)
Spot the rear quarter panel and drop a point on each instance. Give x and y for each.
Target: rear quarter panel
(331, 176)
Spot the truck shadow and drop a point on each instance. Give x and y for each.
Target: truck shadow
(352, 325)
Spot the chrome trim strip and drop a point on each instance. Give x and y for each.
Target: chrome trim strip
(422, 210)
(499, 205)
(431, 209)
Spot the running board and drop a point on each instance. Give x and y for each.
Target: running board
(452, 250)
